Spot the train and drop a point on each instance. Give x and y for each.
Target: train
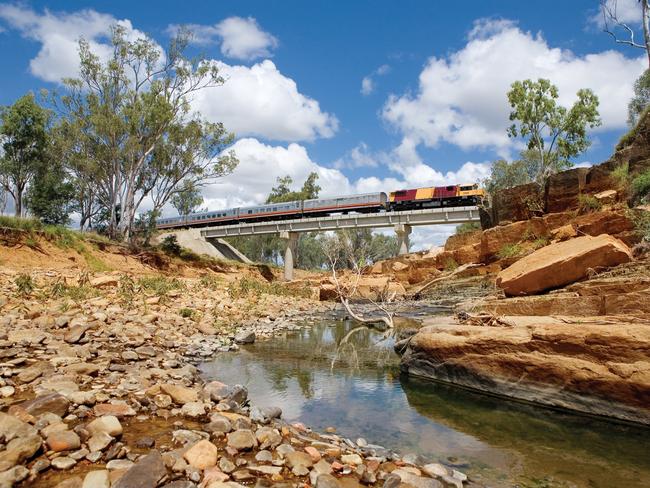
(395, 201)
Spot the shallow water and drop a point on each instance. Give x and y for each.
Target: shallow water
(361, 393)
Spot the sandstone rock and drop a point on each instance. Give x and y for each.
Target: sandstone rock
(245, 337)
(19, 450)
(562, 263)
(75, 333)
(590, 366)
(99, 441)
(327, 481)
(193, 410)
(606, 197)
(63, 441)
(12, 476)
(37, 369)
(12, 427)
(218, 392)
(146, 473)
(97, 479)
(63, 462)
(50, 402)
(268, 437)
(242, 439)
(104, 281)
(108, 424)
(121, 409)
(180, 394)
(201, 455)
(73, 482)
(416, 481)
(298, 458)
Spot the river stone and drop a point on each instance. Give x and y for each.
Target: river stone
(180, 394)
(146, 473)
(298, 458)
(264, 415)
(75, 333)
(12, 427)
(219, 392)
(12, 476)
(218, 423)
(202, 455)
(351, 459)
(242, 439)
(64, 440)
(193, 410)
(74, 482)
(181, 484)
(108, 424)
(63, 462)
(226, 465)
(435, 469)
(327, 481)
(245, 337)
(97, 479)
(118, 409)
(19, 450)
(264, 456)
(7, 391)
(417, 481)
(50, 402)
(99, 441)
(392, 481)
(268, 437)
(37, 369)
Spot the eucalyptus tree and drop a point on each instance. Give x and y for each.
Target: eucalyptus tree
(553, 134)
(122, 116)
(24, 140)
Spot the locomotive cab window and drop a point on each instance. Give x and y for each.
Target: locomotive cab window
(466, 188)
(450, 188)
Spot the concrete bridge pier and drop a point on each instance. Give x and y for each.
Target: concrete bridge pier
(289, 253)
(403, 231)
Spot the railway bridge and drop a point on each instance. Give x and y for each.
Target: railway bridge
(402, 222)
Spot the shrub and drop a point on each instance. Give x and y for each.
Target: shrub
(450, 264)
(641, 223)
(24, 284)
(467, 227)
(620, 174)
(588, 203)
(160, 285)
(541, 242)
(187, 313)
(246, 287)
(641, 186)
(510, 251)
(170, 245)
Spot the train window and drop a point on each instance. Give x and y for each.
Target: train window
(466, 188)
(275, 209)
(400, 193)
(450, 188)
(250, 211)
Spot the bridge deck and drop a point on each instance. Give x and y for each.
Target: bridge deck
(430, 216)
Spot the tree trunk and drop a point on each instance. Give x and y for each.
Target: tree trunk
(646, 28)
(18, 201)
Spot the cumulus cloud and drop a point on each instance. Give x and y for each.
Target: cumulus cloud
(626, 11)
(461, 98)
(358, 157)
(368, 83)
(260, 101)
(59, 34)
(240, 38)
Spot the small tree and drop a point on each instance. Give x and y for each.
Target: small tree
(552, 132)
(50, 196)
(640, 100)
(24, 138)
(187, 199)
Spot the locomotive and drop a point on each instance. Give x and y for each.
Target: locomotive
(395, 201)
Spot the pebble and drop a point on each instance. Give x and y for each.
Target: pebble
(63, 462)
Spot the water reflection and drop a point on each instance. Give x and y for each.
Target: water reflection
(363, 395)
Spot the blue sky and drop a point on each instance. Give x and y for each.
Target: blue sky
(432, 108)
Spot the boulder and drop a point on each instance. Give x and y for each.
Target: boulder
(50, 402)
(562, 263)
(180, 394)
(19, 450)
(108, 424)
(146, 473)
(242, 439)
(202, 455)
(65, 440)
(245, 337)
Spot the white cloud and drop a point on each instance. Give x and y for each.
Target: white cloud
(59, 35)
(626, 11)
(243, 38)
(240, 38)
(358, 157)
(260, 101)
(461, 98)
(368, 83)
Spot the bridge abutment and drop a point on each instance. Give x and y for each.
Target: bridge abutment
(403, 232)
(289, 253)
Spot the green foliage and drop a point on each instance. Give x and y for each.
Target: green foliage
(641, 99)
(75, 293)
(450, 264)
(467, 228)
(187, 313)
(187, 198)
(541, 242)
(210, 282)
(510, 251)
(620, 174)
(588, 203)
(160, 285)
(248, 287)
(552, 132)
(51, 194)
(641, 221)
(25, 140)
(641, 187)
(24, 285)
(138, 135)
(283, 193)
(170, 245)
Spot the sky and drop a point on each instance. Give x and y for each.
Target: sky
(372, 95)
